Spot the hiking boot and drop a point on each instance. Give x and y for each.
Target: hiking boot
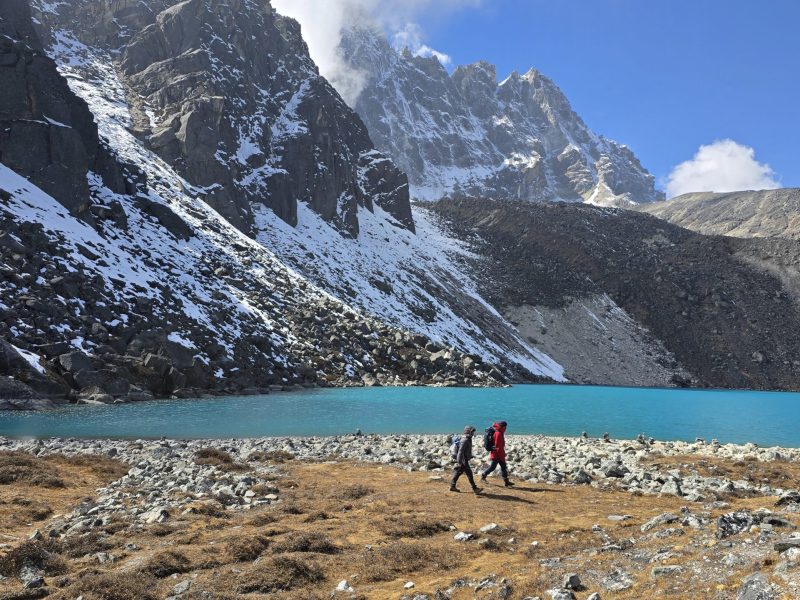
(453, 488)
(477, 490)
(509, 483)
(483, 478)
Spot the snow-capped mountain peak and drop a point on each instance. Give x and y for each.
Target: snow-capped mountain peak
(466, 134)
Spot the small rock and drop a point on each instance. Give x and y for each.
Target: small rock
(665, 571)
(488, 544)
(560, 594)
(409, 585)
(181, 588)
(786, 544)
(490, 527)
(661, 519)
(344, 586)
(462, 536)
(617, 581)
(572, 582)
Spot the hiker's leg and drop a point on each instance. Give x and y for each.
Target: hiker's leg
(456, 475)
(468, 473)
(488, 471)
(504, 470)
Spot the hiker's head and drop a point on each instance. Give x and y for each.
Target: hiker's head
(502, 424)
(469, 430)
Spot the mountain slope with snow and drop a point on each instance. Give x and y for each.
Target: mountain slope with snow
(466, 134)
(151, 290)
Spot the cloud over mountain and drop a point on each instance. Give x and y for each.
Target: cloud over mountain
(722, 166)
(322, 22)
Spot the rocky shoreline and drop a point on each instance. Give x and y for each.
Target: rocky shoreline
(161, 467)
(168, 478)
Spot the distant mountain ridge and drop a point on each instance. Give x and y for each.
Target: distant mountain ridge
(766, 213)
(465, 133)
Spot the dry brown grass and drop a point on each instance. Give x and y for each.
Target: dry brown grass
(279, 574)
(18, 467)
(397, 558)
(41, 555)
(245, 548)
(101, 466)
(352, 492)
(410, 526)
(28, 509)
(299, 548)
(307, 541)
(34, 488)
(217, 458)
(81, 545)
(112, 586)
(167, 562)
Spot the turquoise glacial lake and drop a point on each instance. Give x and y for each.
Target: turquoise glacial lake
(765, 418)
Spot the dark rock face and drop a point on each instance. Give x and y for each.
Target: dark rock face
(142, 291)
(226, 93)
(464, 133)
(714, 302)
(100, 339)
(766, 213)
(46, 132)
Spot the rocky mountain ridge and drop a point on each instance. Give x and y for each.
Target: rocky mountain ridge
(155, 283)
(763, 214)
(712, 311)
(227, 93)
(466, 133)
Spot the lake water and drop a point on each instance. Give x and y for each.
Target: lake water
(766, 418)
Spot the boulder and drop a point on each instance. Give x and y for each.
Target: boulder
(755, 587)
(76, 361)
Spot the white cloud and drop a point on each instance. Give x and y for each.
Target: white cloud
(322, 22)
(723, 166)
(410, 36)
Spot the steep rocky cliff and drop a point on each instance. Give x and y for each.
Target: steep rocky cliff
(227, 94)
(465, 133)
(766, 213)
(124, 275)
(47, 133)
(723, 312)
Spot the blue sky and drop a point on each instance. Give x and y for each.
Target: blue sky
(663, 76)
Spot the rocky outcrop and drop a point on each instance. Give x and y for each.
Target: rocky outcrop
(465, 133)
(725, 318)
(106, 315)
(47, 133)
(226, 93)
(767, 213)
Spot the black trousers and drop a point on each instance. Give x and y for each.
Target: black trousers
(463, 470)
(493, 466)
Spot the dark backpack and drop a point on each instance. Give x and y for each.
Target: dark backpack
(488, 438)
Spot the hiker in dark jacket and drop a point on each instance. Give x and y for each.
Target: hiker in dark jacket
(462, 461)
(498, 453)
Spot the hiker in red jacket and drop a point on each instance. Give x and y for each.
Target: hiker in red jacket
(498, 453)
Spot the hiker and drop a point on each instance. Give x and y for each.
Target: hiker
(462, 458)
(495, 442)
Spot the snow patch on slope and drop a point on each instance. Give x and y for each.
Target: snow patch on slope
(410, 281)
